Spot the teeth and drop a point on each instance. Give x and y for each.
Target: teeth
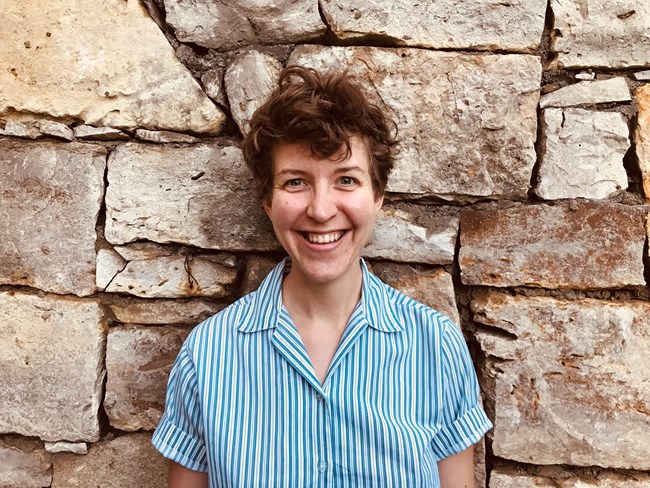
(324, 238)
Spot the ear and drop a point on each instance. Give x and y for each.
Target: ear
(267, 207)
(379, 201)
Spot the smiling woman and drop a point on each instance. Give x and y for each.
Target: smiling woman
(324, 376)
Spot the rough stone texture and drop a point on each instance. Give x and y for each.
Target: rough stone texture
(398, 238)
(256, 270)
(138, 362)
(500, 479)
(467, 122)
(200, 195)
(109, 264)
(21, 129)
(569, 385)
(163, 136)
(225, 25)
(581, 245)
(73, 447)
(249, 81)
(583, 154)
(597, 91)
(55, 129)
(128, 461)
(51, 195)
(642, 138)
(21, 469)
(642, 75)
(611, 34)
(108, 64)
(52, 363)
(585, 75)
(459, 24)
(88, 132)
(213, 84)
(162, 312)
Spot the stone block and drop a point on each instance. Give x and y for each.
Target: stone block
(55, 129)
(74, 447)
(642, 139)
(52, 363)
(91, 133)
(583, 154)
(570, 382)
(164, 136)
(107, 65)
(138, 362)
(584, 245)
(24, 469)
(467, 122)
(446, 24)
(200, 195)
(21, 129)
(256, 270)
(225, 25)
(611, 34)
(642, 75)
(128, 461)
(588, 92)
(504, 479)
(51, 194)
(162, 312)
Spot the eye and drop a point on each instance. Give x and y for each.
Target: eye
(347, 181)
(294, 183)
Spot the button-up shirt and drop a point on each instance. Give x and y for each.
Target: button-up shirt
(245, 405)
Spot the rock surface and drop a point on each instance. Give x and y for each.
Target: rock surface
(643, 137)
(257, 268)
(597, 91)
(21, 129)
(226, 25)
(583, 154)
(467, 122)
(611, 34)
(128, 461)
(55, 129)
(582, 245)
(501, 479)
(52, 363)
(162, 312)
(200, 195)
(447, 24)
(73, 447)
(138, 362)
(124, 75)
(642, 75)
(91, 133)
(569, 385)
(20, 469)
(51, 195)
(164, 136)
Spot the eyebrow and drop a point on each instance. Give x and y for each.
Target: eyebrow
(344, 169)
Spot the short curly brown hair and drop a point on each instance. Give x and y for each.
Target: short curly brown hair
(323, 111)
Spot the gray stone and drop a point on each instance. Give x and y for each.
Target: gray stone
(448, 24)
(55, 129)
(611, 34)
(570, 384)
(21, 129)
(467, 122)
(249, 81)
(109, 264)
(200, 195)
(584, 92)
(213, 84)
(585, 75)
(583, 154)
(162, 312)
(51, 195)
(642, 75)
(107, 65)
(164, 136)
(88, 132)
(128, 461)
(503, 479)
(21, 469)
(138, 362)
(52, 363)
(73, 447)
(642, 138)
(227, 25)
(585, 245)
(399, 238)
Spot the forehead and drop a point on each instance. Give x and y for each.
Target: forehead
(299, 156)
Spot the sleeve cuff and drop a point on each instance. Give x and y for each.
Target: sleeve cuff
(462, 433)
(178, 446)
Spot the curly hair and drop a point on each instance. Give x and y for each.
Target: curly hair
(322, 111)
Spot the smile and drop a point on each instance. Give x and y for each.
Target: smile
(323, 238)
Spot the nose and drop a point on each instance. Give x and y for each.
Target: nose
(322, 206)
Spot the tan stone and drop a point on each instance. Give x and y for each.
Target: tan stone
(610, 34)
(569, 382)
(88, 132)
(74, 447)
(501, 479)
(107, 65)
(200, 195)
(21, 129)
(55, 129)
(21, 469)
(128, 461)
(456, 24)
(256, 270)
(51, 195)
(164, 136)
(642, 75)
(586, 92)
(162, 312)
(138, 362)
(643, 137)
(467, 122)
(52, 363)
(585, 245)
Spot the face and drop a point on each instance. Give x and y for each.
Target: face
(323, 211)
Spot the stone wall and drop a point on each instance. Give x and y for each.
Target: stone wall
(519, 207)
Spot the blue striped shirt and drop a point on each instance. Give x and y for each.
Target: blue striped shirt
(245, 405)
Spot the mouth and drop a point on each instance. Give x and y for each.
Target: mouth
(323, 238)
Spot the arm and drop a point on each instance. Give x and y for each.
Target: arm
(457, 470)
(181, 477)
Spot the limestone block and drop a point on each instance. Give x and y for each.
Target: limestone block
(128, 461)
(642, 138)
(88, 132)
(138, 362)
(501, 479)
(22, 129)
(597, 91)
(74, 447)
(22, 469)
(467, 122)
(213, 84)
(109, 264)
(642, 75)
(52, 363)
(583, 154)
(585, 75)
(107, 65)
(55, 129)
(200, 195)
(453, 24)
(611, 34)
(584, 245)
(399, 238)
(256, 270)
(162, 312)
(569, 382)
(164, 136)
(51, 195)
(249, 81)
(227, 25)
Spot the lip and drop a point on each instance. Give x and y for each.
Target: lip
(326, 246)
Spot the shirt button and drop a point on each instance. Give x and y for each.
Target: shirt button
(319, 397)
(322, 466)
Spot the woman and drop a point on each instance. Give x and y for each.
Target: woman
(324, 376)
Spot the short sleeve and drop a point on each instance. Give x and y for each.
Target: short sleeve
(463, 420)
(179, 435)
